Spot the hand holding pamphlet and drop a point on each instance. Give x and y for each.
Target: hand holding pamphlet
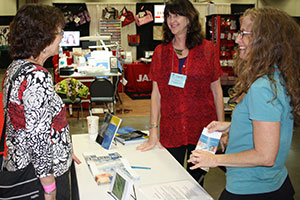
(208, 142)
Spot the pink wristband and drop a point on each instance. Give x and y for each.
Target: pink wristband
(49, 188)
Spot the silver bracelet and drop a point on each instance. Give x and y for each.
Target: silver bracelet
(51, 193)
(153, 126)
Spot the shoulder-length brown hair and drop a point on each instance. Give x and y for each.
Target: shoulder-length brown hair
(33, 29)
(184, 8)
(275, 40)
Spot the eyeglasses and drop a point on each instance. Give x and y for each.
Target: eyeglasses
(243, 33)
(61, 33)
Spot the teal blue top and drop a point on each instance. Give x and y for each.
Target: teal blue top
(257, 105)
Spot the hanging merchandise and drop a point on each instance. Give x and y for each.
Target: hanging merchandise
(68, 17)
(143, 17)
(76, 16)
(133, 40)
(82, 17)
(126, 16)
(109, 13)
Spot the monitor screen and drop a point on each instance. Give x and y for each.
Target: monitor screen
(159, 13)
(71, 39)
(85, 44)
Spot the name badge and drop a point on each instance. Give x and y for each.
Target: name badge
(177, 80)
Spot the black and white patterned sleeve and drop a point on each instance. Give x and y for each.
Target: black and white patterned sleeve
(38, 118)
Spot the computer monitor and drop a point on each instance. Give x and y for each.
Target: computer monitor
(86, 43)
(71, 39)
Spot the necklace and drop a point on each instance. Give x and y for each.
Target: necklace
(178, 51)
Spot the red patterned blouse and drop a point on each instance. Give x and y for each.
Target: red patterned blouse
(185, 111)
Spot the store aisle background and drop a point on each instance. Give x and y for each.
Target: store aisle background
(136, 114)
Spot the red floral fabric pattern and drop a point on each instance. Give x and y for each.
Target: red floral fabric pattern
(60, 120)
(22, 88)
(185, 111)
(16, 115)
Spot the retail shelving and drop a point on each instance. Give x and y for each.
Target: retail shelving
(222, 31)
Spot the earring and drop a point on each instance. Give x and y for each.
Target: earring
(44, 50)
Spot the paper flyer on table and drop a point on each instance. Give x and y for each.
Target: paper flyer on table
(183, 190)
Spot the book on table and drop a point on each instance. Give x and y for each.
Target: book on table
(108, 130)
(128, 135)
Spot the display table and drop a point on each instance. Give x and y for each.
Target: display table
(137, 76)
(87, 79)
(164, 169)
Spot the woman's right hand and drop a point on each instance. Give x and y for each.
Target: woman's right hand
(219, 126)
(151, 142)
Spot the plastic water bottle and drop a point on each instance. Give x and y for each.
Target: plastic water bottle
(60, 51)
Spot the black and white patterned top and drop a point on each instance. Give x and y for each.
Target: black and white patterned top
(37, 129)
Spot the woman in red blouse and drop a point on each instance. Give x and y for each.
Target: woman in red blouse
(186, 92)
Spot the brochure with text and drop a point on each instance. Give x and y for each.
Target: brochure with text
(181, 189)
(103, 167)
(209, 142)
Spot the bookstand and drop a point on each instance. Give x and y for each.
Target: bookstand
(120, 188)
(115, 141)
(132, 195)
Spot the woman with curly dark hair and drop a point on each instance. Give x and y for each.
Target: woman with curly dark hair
(268, 89)
(37, 131)
(186, 92)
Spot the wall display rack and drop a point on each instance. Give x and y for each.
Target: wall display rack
(222, 30)
(112, 28)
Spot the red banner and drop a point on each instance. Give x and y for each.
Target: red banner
(137, 76)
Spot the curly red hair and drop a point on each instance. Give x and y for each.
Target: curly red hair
(275, 40)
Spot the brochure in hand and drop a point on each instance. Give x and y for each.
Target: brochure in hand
(103, 167)
(128, 135)
(108, 130)
(208, 142)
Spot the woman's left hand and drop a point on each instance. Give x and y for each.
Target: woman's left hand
(75, 159)
(202, 159)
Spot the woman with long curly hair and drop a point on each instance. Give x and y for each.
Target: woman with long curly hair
(268, 89)
(186, 93)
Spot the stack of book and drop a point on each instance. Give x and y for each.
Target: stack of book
(128, 135)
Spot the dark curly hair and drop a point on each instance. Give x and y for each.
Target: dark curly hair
(275, 40)
(33, 29)
(184, 8)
